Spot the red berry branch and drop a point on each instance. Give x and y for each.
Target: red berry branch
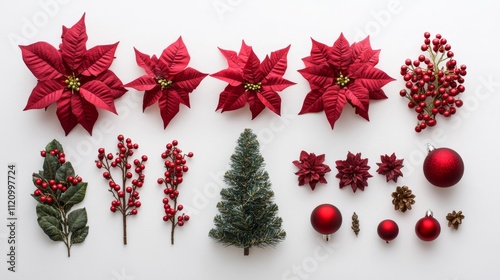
(125, 195)
(175, 165)
(432, 88)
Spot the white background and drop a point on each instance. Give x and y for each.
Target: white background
(395, 27)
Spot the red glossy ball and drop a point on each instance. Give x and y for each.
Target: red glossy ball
(443, 167)
(388, 230)
(326, 219)
(427, 228)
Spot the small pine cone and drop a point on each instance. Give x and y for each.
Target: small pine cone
(402, 199)
(455, 219)
(355, 223)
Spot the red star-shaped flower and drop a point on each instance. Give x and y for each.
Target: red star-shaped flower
(342, 74)
(353, 171)
(76, 79)
(390, 167)
(253, 82)
(168, 80)
(311, 169)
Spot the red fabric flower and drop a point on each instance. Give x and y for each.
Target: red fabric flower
(353, 171)
(390, 167)
(76, 79)
(311, 169)
(253, 82)
(342, 74)
(168, 80)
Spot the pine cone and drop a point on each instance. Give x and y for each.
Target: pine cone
(455, 219)
(402, 199)
(355, 223)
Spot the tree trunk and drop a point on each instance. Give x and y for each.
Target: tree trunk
(246, 251)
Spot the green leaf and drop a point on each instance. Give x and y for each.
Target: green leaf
(79, 235)
(73, 195)
(52, 227)
(47, 210)
(54, 144)
(64, 171)
(50, 166)
(77, 220)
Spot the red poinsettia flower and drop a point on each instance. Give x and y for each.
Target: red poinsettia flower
(342, 74)
(76, 79)
(253, 82)
(311, 169)
(168, 80)
(390, 166)
(353, 171)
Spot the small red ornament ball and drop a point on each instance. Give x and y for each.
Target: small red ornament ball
(428, 228)
(326, 219)
(388, 230)
(443, 167)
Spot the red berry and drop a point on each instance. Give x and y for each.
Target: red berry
(165, 200)
(37, 192)
(43, 198)
(160, 181)
(175, 142)
(186, 218)
(49, 200)
(121, 194)
(144, 158)
(165, 218)
(459, 103)
(120, 137)
(133, 212)
(180, 207)
(38, 181)
(43, 153)
(112, 208)
(128, 189)
(137, 204)
(180, 223)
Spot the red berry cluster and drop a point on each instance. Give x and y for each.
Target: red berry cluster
(126, 196)
(431, 88)
(49, 190)
(175, 165)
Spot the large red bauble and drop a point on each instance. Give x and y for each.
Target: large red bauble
(428, 228)
(443, 167)
(388, 230)
(326, 219)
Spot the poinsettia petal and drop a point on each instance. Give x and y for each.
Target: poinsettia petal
(357, 95)
(145, 62)
(276, 83)
(232, 76)
(255, 104)
(84, 111)
(151, 97)
(143, 83)
(251, 70)
(223, 97)
(377, 94)
(181, 95)
(169, 107)
(369, 77)
(334, 101)
(73, 46)
(308, 61)
(188, 79)
(303, 155)
(318, 76)
(320, 53)
(271, 100)
(109, 78)
(341, 53)
(362, 52)
(275, 64)
(232, 59)
(98, 59)
(44, 94)
(66, 117)
(174, 58)
(313, 102)
(43, 60)
(236, 99)
(363, 113)
(98, 94)
(244, 53)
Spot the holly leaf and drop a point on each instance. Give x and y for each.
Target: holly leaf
(43, 60)
(51, 226)
(73, 46)
(64, 171)
(79, 235)
(73, 195)
(46, 210)
(174, 58)
(50, 166)
(77, 219)
(54, 145)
